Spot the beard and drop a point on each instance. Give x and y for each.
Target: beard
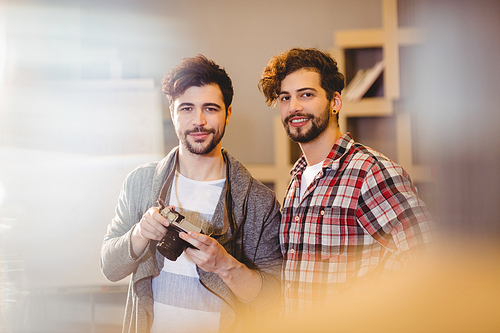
(318, 125)
(198, 148)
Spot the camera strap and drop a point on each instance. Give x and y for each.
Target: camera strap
(228, 215)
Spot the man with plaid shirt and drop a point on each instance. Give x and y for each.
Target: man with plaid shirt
(349, 212)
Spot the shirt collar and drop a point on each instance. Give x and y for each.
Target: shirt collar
(340, 148)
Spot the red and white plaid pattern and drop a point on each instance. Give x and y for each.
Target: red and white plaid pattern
(360, 212)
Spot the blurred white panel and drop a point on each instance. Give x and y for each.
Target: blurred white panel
(67, 149)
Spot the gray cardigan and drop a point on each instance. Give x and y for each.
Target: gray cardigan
(253, 240)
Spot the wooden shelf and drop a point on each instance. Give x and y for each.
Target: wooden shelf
(368, 107)
(351, 39)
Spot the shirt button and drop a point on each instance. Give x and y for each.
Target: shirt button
(322, 212)
(292, 251)
(297, 218)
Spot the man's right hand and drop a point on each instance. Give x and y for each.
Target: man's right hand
(151, 226)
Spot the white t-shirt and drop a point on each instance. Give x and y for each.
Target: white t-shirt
(308, 176)
(181, 303)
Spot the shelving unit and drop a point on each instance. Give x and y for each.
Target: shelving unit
(389, 39)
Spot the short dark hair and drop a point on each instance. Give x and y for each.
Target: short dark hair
(197, 71)
(297, 58)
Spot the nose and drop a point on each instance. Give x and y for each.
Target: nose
(295, 105)
(199, 118)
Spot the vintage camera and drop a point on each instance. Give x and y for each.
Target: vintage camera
(171, 245)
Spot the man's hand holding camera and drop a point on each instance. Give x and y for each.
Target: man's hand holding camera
(152, 226)
(211, 256)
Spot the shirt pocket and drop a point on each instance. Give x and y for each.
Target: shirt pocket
(325, 234)
(332, 233)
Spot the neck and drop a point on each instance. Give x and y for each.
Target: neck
(202, 167)
(317, 150)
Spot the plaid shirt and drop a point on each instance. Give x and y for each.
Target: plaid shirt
(359, 213)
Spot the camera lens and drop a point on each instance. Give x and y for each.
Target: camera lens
(171, 245)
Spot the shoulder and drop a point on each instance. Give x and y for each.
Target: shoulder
(379, 175)
(362, 152)
(247, 187)
(371, 160)
(261, 196)
(149, 176)
(150, 170)
(142, 173)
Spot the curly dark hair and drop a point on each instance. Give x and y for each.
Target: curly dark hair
(197, 71)
(297, 58)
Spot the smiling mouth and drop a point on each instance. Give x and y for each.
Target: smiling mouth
(298, 121)
(199, 135)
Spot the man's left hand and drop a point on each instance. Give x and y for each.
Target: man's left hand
(209, 254)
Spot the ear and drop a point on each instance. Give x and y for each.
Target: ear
(228, 113)
(171, 107)
(336, 102)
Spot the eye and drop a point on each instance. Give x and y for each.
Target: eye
(307, 94)
(211, 109)
(186, 109)
(284, 98)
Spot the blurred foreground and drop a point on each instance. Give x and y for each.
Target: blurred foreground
(456, 290)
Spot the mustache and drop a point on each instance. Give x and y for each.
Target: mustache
(200, 130)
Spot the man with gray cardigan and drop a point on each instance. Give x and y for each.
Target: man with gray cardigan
(230, 272)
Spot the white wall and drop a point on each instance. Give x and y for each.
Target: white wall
(70, 147)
